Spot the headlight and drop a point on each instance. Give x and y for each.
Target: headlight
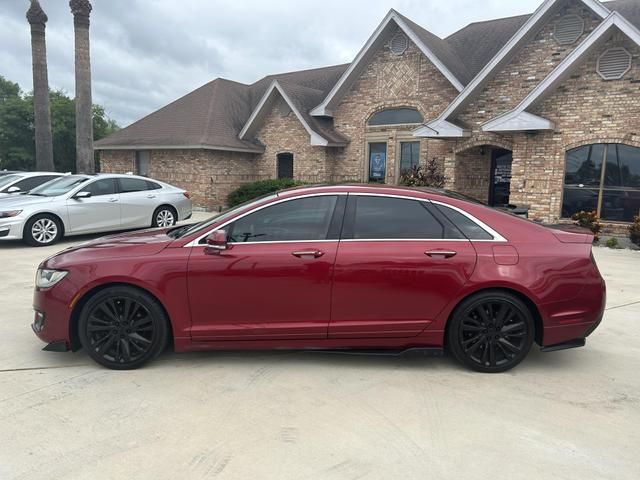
(10, 213)
(46, 278)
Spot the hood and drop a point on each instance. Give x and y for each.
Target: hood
(15, 201)
(134, 244)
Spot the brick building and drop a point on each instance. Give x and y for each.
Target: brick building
(540, 110)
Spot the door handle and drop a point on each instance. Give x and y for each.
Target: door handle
(308, 253)
(441, 253)
(151, 196)
(112, 200)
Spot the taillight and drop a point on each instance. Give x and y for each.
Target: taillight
(187, 194)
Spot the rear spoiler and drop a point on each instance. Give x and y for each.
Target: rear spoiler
(571, 233)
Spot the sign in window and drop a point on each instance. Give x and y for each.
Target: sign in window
(377, 162)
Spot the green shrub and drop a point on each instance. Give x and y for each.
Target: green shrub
(613, 243)
(634, 231)
(589, 220)
(254, 190)
(417, 176)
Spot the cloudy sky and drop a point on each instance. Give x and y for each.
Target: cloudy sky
(146, 53)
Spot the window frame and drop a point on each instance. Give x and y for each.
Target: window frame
(199, 241)
(116, 186)
(602, 187)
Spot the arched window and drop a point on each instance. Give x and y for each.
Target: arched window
(604, 178)
(285, 165)
(396, 116)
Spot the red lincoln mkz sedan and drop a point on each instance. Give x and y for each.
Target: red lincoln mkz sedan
(341, 268)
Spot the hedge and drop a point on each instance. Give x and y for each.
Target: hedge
(250, 191)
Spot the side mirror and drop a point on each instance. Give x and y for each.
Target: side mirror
(217, 242)
(13, 190)
(81, 195)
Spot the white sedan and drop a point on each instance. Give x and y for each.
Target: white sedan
(82, 204)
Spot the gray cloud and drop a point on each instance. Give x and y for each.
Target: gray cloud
(146, 53)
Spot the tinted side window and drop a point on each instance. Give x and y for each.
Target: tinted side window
(101, 187)
(128, 185)
(153, 185)
(384, 218)
(471, 229)
(33, 182)
(302, 219)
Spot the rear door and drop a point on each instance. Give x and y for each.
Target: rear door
(138, 202)
(398, 265)
(98, 213)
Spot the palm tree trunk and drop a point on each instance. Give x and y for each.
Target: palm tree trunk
(42, 110)
(85, 162)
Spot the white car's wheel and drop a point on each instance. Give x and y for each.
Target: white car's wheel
(42, 230)
(164, 217)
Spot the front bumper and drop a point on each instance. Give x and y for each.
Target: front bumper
(52, 316)
(11, 228)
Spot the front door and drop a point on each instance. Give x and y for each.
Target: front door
(501, 162)
(397, 268)
(377, 162)
(98, 213)
(275, 281)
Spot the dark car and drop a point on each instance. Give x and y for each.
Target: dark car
(332, 268)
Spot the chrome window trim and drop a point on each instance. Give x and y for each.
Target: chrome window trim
(196, 242)
(497, 238)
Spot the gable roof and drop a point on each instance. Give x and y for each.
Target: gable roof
(522, 35)
(300, 99)
(212, 116)
(519, 119)
(434, 48)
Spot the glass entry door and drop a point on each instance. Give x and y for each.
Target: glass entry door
(500, 177)
(377, 162)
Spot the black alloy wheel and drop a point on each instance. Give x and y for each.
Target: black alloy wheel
(122, 328)
(491, 332)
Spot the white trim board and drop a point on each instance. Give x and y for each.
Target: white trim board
(315, 138)
(372, 44)
(526, 32)
(519, 119)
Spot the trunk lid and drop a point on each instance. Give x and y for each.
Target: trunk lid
(571, 233)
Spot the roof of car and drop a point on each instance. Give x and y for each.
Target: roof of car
(370, 188)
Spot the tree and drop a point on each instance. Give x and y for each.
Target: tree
(42, 116)
(17, 136)
(81, 10)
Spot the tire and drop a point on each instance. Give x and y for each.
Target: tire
(122, 328)
(164, 216)
(491, 332)
(42, 230)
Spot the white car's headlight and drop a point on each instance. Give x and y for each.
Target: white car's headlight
(46, 278)
(10, 213)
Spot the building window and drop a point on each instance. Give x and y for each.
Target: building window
(409, 156)
(604, 178)
(285, 165)
(377, 162)
(143, 159)
(396, 116)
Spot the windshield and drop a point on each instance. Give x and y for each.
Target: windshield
(58, 187)
(189, 229)
(7, 179)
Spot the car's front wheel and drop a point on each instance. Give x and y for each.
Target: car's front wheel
(491, 332)
(164, 217)
(122, 328)
(42, 230)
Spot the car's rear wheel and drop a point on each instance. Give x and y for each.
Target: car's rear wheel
(164, 217)
(42, 230)
(122, 328)
(491, 332)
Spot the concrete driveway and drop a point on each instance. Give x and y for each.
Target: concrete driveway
(565, 415)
